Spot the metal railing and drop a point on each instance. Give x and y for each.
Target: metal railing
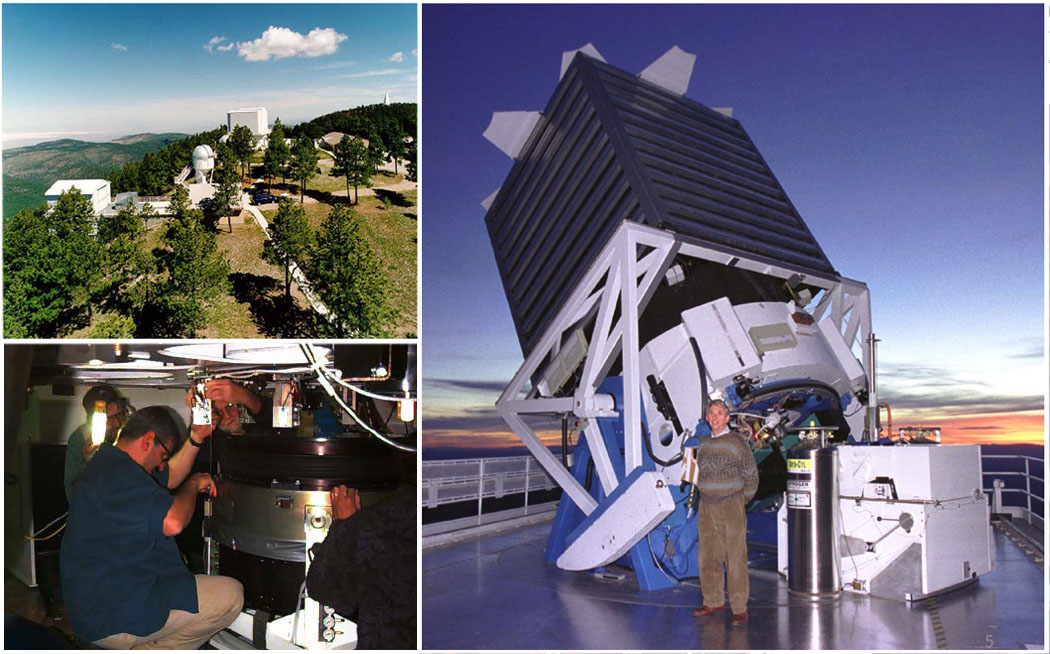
(475, 480)
(1028, 500)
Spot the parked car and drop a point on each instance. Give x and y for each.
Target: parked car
(263, 198)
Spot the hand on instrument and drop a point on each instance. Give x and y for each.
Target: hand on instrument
(345, 502)
(226, 391)
(201, 433)
(88, 449)
(203, 483)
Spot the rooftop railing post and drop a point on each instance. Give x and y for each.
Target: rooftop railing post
(1028, 488)
(528, 460)
(481, 485)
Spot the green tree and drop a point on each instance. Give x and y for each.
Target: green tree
(304, 164)
(121, 238)
(289, 241)
(152, 175)
(347, 277)
(394, 140)
(197, 272)
(351, 163)
(114, 326)
(180, 201)
(376, 151)
(52, 267)
(226, 162)
(272, 165)
(242, 142)
(227, 198)
(281, 152)
(411, 165)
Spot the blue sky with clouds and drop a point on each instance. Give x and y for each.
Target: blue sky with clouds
(99, 71)
(910, 138)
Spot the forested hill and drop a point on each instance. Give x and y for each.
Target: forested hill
(30, 170)
(362, 121)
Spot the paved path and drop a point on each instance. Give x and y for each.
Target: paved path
(297, 273)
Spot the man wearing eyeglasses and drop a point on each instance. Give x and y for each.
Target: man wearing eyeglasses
(123, 580)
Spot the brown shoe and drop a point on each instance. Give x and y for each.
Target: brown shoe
(739, 619)
(707, 610)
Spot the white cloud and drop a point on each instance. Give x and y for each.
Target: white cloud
(118, 47)
(372, 73)
(227, 47)
(281, 42)
(397, 57)
(415, 52)
(216, 40)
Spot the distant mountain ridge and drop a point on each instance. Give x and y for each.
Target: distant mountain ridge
(30, 170)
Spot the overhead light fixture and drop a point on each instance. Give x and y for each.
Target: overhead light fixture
(273, 354)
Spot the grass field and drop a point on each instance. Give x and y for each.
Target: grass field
(255, 306)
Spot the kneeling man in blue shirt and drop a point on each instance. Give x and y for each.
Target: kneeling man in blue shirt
(124, 582)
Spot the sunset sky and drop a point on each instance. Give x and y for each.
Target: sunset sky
(910, 139)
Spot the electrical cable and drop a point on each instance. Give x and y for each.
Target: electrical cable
(41, 530)
(298, 605)
(322, 379)
(358, 389)
(57, 532)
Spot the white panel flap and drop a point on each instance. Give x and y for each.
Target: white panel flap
(566, 57)
(509, 130)
(724, 343)
(671, 71)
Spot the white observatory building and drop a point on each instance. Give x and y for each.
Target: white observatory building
(203, 163)
(254, 118)
(97, 190)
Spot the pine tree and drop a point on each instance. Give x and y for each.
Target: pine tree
(347, 277)
(197, 272)
(281, 152)
(411, 166)
(304, 164)
(52, 267)
(351, 163)
(242, 142)
(227, 198)
(289, 240)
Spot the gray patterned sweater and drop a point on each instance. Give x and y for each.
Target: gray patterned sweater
(726, 469)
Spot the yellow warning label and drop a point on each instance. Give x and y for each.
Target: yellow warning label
(803, 465)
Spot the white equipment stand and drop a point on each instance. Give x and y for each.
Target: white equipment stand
(314, 626)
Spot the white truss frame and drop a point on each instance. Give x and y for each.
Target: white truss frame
(624, 276)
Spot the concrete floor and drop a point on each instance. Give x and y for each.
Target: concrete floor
(495, 592)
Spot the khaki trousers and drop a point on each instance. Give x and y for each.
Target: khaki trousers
(723, 543)
(219, 601)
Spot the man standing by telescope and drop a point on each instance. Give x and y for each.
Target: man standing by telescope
(728, 479)
(124, 582)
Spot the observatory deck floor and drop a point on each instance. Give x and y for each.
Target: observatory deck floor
(495, 592)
